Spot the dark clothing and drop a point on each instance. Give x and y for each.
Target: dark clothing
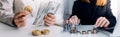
(88, 13)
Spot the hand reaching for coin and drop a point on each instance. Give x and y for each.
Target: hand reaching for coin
(74, 20)
(19, 18)
(102, 22)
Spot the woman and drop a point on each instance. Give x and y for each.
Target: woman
(93, 12)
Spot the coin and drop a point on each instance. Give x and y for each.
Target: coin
(45, 31)
(28, 8)
(89, 32)
(36, 32)
(84, 32)
(94, 31)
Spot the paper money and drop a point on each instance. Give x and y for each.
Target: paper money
(50, 7)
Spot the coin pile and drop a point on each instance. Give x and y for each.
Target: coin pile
(73, 30)
(38, 32)
(94, 31)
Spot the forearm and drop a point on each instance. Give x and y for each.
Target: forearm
(110, 17)
(6, 18)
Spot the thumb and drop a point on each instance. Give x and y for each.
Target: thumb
(26, 12)
(66, 21)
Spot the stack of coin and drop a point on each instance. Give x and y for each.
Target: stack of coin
(84, 32)
(78, 32)
(72, 30)
(94, 31)
(89, 32)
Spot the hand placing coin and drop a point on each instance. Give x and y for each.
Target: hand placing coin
(102, 22)
(74, 20)
(19, 19)
(29, 9)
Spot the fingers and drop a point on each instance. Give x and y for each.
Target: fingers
(99, 21)
(102, 22)
(107, 24)
(21, 14)
(49, 19)
(78, 21)
(51, 16)
(48, 22)
(20, 18)
(20, 24)
(67, 21)
(74, 20)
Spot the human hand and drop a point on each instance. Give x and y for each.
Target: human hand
(49, 19)
(102, 22)
(19, 18)
(74, 20)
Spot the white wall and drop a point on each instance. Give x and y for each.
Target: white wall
(116, 32)
(114, 7)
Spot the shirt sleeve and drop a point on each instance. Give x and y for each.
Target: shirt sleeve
(109, 15)
(6, 12)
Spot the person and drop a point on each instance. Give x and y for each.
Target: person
(12, 13)
(89, 12)
(7, 15)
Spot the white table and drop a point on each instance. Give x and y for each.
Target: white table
(55, 31)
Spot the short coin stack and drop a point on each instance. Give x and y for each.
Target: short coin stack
(94, 31)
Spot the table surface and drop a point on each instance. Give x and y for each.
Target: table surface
(55, 31)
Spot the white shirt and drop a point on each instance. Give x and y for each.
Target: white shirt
(7, 12)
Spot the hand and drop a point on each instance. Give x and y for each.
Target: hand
(74, 20)
(102, 22)
(20, 18)
(49, 19)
